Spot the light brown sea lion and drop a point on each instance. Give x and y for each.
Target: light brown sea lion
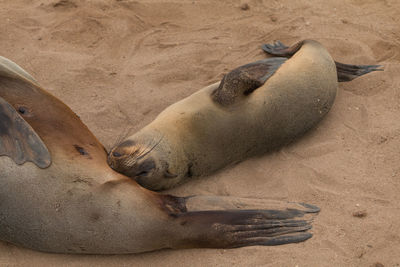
(57, 193)
(255, 108)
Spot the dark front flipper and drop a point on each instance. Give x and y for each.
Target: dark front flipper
(244, 80)
(281, 50)
(347, 72)
(18, 140)
(239, 228)
(228, 222)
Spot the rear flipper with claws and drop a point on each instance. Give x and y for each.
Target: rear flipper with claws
(345, 72)
(242, 222)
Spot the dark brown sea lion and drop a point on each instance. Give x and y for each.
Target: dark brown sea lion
(255, 108)
(57, 193)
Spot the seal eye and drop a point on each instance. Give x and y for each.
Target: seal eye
(141, 174)
(116, 154)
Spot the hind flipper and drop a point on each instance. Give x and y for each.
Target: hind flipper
(244, 80)
(347, 72)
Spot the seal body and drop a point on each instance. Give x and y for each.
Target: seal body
(255, 108)
(198, 135)
(57, 193)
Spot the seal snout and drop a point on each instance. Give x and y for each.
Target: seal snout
(132, 160)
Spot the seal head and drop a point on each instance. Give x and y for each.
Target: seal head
(143, 163)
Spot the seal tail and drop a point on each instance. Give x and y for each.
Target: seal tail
(345, 72)
(229, 222)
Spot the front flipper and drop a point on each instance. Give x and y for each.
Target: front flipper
(18, 140)
(228, 222)
(198, 203)
(281, 50)
(245, 79)
(239, 228)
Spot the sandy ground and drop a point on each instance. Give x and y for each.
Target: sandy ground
(119, 63)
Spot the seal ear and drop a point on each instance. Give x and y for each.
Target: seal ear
(18, 140)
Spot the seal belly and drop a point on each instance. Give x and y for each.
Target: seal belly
(297, 97)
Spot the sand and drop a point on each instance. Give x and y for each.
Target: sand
(118, 64)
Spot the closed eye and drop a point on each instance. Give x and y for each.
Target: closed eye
(116, 154)
(143, 173)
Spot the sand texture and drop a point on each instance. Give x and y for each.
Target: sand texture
(118, 64)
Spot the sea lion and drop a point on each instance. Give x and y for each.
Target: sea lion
(255, 108)
(58, 194)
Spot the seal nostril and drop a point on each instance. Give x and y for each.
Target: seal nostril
(116, 154)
